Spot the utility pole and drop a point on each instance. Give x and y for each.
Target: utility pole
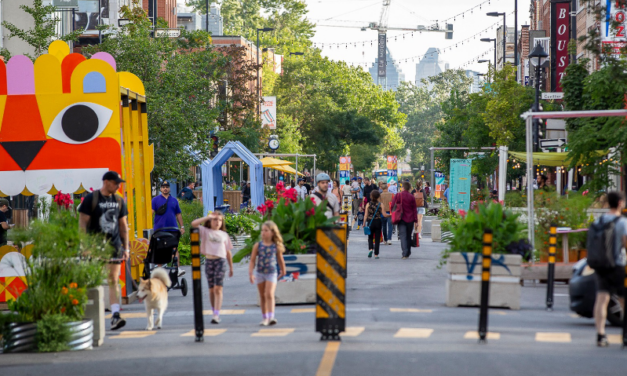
(207, 17)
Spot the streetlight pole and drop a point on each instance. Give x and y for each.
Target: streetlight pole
(484, 61)
(497, 14)
(207, 16)
(494, 41)
(537, 57)
(258, 84)
(516, 33)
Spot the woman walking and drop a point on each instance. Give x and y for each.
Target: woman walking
(336, 190)
(265, 255)
(421, 204)
(216, 245)
(374, 219)
(405, 203)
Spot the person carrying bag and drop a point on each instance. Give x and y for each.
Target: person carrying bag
(373, 229)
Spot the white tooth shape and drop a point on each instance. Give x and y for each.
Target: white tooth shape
(12, 182)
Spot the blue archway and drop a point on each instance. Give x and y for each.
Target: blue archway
(212, 176)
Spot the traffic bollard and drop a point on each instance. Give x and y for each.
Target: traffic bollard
(551, 278)
(331, 282)
(199, 323)
(625, 311)
(485, 284)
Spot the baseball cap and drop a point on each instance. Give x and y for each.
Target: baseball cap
(165, 183)
(112, 175)
(300, 179)
(359, 178)
(4, 201)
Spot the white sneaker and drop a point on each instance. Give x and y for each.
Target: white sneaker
(181, 272)
(215, 319)
(419, 236)
(272, 321)
(264, 322)
(389, 242)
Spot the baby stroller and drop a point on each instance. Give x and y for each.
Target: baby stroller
(161, 251)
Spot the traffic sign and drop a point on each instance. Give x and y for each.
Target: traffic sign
(556, 95)
(170, 33)
(552, 143)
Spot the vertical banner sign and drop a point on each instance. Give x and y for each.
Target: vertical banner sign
(268, 112)
(345, 170)
(382, 56)
(331, 282)
(439, 182)
(614, 38)
(560, 36)
(392, 169)
(459, 190)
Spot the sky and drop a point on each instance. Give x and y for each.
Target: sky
(460, 52)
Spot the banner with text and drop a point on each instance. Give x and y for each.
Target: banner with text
(392, 169)
(459, 190)
(439, 184)
(268, 112)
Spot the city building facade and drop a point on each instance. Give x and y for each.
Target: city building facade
(191, 21)
(428, 66)
(394, 75)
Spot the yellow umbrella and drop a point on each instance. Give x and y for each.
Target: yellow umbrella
(270, 162)
(286, 169)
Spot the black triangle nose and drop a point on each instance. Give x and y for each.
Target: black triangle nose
(23, 152)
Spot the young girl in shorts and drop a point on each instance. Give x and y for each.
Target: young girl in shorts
(264, 260)
(216, 245)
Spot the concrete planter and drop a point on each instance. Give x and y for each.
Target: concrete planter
(427, 225)
(463, 285)
(95, 311)
(436, 230)
(299, 286)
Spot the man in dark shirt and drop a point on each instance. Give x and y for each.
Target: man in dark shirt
(102, 212)
(246, 193)
(187, 193)
(4, 224)
(368, 188)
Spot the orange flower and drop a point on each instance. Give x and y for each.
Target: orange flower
(74, 302)
(71, 296)
(73, 285)
(62, 309)
(64, 291)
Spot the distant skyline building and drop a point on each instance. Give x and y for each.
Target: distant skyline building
(428, 66)
(191, 21)
(393, 71)
(477, 82)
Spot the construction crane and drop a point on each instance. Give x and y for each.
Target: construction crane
(382, 29)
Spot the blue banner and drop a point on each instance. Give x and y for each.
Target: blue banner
(459, 190)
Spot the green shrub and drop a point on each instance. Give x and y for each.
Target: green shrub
(189, 211)
(52, 333)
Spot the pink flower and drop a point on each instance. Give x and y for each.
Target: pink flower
(310, 212)
(262, 209)
(585, 192)
(280, 187)
(270, 204)
(312, 199)
(462, 212)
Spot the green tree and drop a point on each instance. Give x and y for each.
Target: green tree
(44, 31)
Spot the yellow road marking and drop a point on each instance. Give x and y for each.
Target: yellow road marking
(208, 333)
(303, 310)
(498, 313)
(328, 359)
(475, 335)
(411, 310)
(272, 332)
(615, 339)
(553, 337)
(353, 331)
(413, 333)
(208, 312)
(131, 315)
(134, 334)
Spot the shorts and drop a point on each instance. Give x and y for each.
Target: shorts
(269, 277)
(421, 211)
(116, 257)
(215, 271)
(612, 280)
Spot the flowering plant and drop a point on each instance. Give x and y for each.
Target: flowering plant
(296, 219)
(63, 200)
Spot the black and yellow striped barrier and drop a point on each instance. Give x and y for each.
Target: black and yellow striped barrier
(551, 277)
(199, 323)
(485, 284)
(331, 282)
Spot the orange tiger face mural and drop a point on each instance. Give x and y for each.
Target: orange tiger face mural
(60, 122)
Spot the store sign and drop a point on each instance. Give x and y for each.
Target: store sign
(560, 35)
(614, 38)
(169, 33)
(268, 112)
(459, 191)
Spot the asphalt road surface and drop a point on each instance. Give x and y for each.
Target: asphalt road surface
(398, 325)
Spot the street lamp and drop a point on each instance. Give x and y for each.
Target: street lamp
(491, 40)
(265, 29)
(537, 57)
(498, 14)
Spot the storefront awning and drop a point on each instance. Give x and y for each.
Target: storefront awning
(286, 169)
(548, 159)
(270, 162)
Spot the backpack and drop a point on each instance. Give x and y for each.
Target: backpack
(600, 244)
(419, 196)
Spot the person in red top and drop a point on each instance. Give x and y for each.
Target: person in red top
(410, 216)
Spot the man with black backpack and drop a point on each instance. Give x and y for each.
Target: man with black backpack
(104, 212)
(607, 239)
(322, 193)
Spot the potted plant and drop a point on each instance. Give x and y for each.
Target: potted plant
(297, 221)
(65, 264)
(464, 256)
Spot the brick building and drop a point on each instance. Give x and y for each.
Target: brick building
(166, 9)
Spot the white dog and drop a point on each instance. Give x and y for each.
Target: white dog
(154, 293)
